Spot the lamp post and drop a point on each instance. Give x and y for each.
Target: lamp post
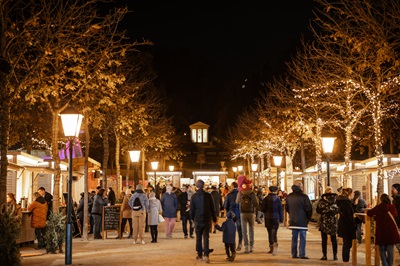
(254, 167)
(327, 146)
(234, 169)
(135, 155)
(154, 166)
(71, 121)
(277, 163)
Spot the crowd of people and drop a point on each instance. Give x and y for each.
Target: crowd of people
(200, 206)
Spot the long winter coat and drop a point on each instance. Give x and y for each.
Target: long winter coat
(230, 203)
(98, 203)
(328, 210)
(396, 202)
(271, 206)
(155, 210)
(346, 226)
(386, 230)
(169, 202)
(184, 206)
(217, 201)
(38, 208)
(125, 208)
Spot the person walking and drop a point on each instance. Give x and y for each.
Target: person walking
(126, 215)
(231, 205)
(155, 210)
(248, 202)
(386, 234)
(184, 209)
(359, 206)
(169, 202)
(202, 212)
(346, 226)
(396, 203)
(328, 221)
(80, 209)
(99, 201)
(139, 209)
(260, 196)
(38, 209)
(228, 229)
(299, 207)
(49, 199)
(271, 206)
(217, 199)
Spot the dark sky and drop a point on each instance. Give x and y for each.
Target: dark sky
(211, 56)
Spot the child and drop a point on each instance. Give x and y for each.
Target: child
(243, 182)
(228, 229)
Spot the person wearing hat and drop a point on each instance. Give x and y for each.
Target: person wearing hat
(202, 212)
(396, 202)
(271, 206)
(184, 209)
(139, 216)
(328, 221)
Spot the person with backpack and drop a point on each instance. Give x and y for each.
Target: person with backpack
(247, 201)
(140, 205)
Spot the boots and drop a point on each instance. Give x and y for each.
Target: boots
(239, 247)
(275, 249)
(335, 257)
(271, 249)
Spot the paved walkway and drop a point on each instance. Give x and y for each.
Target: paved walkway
(180, 251)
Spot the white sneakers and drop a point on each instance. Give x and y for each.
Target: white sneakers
(139, 241)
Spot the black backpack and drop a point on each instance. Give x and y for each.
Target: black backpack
(137, 204)
(245, 204)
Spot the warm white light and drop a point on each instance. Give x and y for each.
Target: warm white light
(171, 168)
(234, 169)
(71, 122)
(240, 168)
(327, 144)
(277, 160)
(154, 165)
(254, 167)
(135, 155)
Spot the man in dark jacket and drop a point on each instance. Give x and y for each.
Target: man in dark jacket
(396, 202)
(271, 206)
(184, 208)
(299, 207)
(231, 205)
(111, 196)
(49, 199)
(217, 199)
(359, 206)
(202, 212)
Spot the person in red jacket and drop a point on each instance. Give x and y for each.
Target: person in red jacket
(38, 209)
(386, 235)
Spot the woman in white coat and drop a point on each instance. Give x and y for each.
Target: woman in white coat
(154, 210)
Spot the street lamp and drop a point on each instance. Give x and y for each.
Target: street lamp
(71, 121)
(254, 167)
(154, 166)
(234, 169)
(277, 163)
(135, 155)
(327, 146)
(171, 168)
(240, 168)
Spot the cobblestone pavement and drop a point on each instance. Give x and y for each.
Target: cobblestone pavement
(180, 251)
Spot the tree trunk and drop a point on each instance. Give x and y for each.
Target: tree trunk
(56, 158)
(117, 163)
(4, 133)
(106, 154)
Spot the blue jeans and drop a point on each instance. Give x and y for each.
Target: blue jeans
(202, 236)
(247, 220)
(387, 254)
(295, 237)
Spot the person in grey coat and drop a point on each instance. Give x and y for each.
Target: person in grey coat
(228, 229)
(100, 200)
(155, 210)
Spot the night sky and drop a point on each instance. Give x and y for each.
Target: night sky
(211, 57)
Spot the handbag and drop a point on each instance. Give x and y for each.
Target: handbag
(160, 218)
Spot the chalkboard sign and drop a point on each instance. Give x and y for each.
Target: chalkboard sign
(111, 218)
